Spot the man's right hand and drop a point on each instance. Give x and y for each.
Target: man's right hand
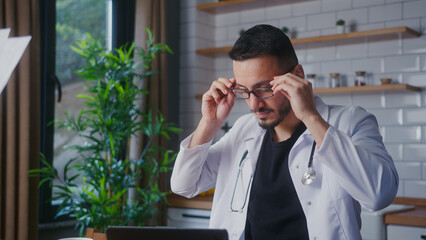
(218, 100)
(216, 105)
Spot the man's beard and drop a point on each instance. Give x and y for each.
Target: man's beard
(283, 111)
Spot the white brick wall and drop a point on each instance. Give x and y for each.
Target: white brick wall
(401, 115)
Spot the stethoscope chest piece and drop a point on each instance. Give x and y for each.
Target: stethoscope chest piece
(309, 176)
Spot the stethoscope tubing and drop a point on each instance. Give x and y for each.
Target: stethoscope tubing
(311, 157)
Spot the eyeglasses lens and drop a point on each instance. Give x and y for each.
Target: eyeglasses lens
(241, 93)
(263, 92)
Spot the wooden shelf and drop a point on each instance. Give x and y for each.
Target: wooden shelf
(370, 88)
(404, 31)
(216, 7)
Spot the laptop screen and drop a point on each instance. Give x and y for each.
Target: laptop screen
(164, 233)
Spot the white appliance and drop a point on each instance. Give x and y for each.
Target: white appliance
(373, 223)
(188, 218)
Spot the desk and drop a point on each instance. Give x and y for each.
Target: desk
(414, 217)
(410, 224)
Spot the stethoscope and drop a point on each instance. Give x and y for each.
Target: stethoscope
(307, 178)
(310, 174)
(240, 169)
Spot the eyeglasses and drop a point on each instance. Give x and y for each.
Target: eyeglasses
(239, 175)
(260, 92)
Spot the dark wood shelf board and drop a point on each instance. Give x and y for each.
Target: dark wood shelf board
(403, 30)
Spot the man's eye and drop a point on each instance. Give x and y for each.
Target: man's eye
(239, 90)
(263, 89)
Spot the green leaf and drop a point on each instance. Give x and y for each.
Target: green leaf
(79, 51)
(119, 88)
(82, 96)
(106, 93)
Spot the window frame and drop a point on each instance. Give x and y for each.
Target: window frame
(122, 32)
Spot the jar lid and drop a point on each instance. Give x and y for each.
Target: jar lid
(360, 73)
(334, 74)
(312, 75)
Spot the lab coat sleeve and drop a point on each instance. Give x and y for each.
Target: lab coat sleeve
(196, 168)
(360, 160)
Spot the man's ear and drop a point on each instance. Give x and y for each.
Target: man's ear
(298, 71)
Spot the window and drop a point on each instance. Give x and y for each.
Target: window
(65, 22)
(74, 19)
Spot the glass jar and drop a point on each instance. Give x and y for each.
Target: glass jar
(334, 80)
(311, 78)
(360, 78)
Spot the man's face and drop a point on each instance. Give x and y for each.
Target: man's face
(258, 72)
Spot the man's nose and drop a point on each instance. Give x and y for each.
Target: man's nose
(254, 102)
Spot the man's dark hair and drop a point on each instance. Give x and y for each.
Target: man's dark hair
(264, 40)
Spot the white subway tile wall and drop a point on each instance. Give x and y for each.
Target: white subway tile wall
(424, 171)
(424, 60)
(401, 115)
(409, 170)
(414, 188)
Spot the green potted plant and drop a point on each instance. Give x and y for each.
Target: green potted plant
(290, 34)
(340, 24)
(96, 183)
(242, 30)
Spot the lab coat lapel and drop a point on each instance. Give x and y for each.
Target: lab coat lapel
(253, 143)
(322, 108)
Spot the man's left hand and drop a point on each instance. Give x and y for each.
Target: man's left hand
(299, 93)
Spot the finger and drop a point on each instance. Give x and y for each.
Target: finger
(217, 91)
(284, 90)
(230, 99)
(227, 82)
(293, 81)
(281, 82)
(290, 79)
(218, 95)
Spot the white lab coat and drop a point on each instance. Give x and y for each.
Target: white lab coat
(352, 165)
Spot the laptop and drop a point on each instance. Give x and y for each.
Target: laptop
(164, 233)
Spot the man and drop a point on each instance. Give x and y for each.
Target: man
(295, 168)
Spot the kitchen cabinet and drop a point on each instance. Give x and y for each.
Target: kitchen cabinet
(198, 202)
(407, 225)
(396, 232)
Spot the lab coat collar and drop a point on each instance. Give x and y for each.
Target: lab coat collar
(254, 138)
(253, 141)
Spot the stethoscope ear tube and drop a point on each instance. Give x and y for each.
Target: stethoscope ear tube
(312, 155)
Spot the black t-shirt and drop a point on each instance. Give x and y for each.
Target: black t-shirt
(274, 210)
